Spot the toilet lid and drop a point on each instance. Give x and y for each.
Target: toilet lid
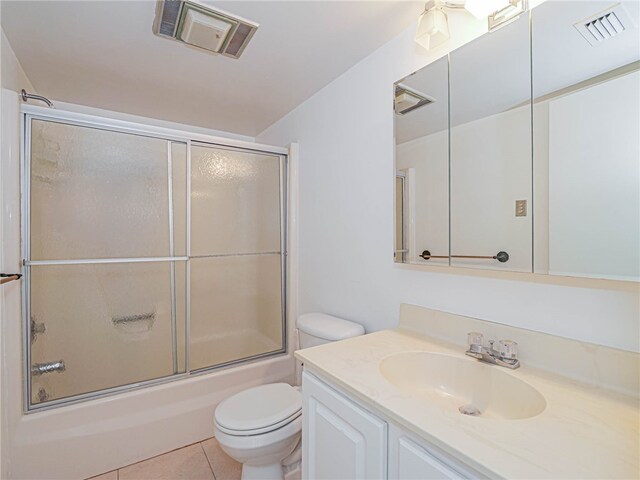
(258, 407)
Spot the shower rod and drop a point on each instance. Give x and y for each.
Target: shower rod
(32, 96)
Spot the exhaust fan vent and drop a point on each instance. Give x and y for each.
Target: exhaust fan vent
(202, 27)
(408, 100)
(604, 25)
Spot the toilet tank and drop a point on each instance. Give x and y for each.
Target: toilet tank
(318, 328)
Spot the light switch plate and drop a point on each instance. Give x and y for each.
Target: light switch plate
(521, 208)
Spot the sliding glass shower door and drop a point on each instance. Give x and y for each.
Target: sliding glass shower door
(115, 293)
(236, 255)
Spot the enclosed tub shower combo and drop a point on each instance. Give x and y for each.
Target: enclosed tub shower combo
(146, 257)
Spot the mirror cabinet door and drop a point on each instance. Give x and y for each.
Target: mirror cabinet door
(521, 150)
(490, 98)
(587, 139)
(422, 166)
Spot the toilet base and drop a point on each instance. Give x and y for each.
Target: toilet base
(263, 472)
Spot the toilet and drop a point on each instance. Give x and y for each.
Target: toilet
(261, 426)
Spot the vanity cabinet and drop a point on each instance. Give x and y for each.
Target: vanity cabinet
(343, 440)
(340, 439)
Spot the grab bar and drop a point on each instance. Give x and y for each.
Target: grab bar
(134, 318)
(501, 256)
(9, 277)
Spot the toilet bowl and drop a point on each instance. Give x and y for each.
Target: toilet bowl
(261, 426)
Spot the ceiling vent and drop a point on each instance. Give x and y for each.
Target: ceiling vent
(202, 27)
(407, 100)
(604, 25)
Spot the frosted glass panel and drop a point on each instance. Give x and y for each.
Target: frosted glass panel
(236, 309)
(97, 193)
(109, 323)
(235, 202)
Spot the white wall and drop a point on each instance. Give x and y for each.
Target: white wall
(13, 76)
(345, 132)
(2, 429)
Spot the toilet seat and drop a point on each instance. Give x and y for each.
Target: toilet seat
(259, 410)
(259, 431)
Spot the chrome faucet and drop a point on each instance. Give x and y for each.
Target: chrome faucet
(505, 354)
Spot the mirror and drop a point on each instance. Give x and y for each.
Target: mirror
(486, 178)
(422, 164)
(587, 139)
(490, 91)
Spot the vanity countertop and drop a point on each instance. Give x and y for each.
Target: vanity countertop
(584, 432)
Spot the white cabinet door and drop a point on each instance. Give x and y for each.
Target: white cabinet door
(340, 440)
(409, 460)
(415, 463)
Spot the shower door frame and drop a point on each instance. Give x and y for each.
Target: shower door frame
(31, 112)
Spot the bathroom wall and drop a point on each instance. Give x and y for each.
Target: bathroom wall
(345, 133)
(2, 429)
(13, 76)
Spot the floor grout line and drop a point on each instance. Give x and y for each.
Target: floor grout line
(208, 461)
(117, 470)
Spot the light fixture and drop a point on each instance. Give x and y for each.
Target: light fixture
(508, 14)
(433, 26)
(483, 8)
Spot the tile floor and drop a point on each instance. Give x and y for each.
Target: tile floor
(200, 461)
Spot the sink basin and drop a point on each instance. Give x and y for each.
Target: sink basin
(463, 385)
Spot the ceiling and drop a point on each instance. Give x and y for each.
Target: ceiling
(492, 73)
(103, 54)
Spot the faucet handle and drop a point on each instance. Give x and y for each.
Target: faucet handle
(508, 349)
(475, 340)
